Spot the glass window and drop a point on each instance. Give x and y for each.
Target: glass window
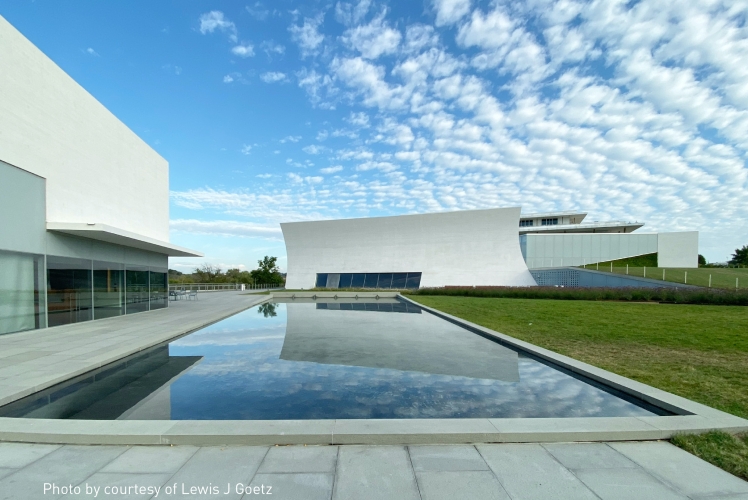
(385, 281)
(69, 291)
(525, 223)
(358, 280)
(22, 297)
(549, 222)
(398, 280)
(321, 280)
(345, 280)
(108, 290)
(136, 292)
(159, 288)
(414, 280)
(371, 280)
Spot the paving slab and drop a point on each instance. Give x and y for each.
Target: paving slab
(65, 466)
(151, 459)
(300, 486)
(446, 458)
(125, 486)
(682, 471)
(17, 455)
(626, 484)
(588, 456)
(300, 459)
(221, 467)
(449, 485)
(375, 472)
(529, 472)
(543, 430)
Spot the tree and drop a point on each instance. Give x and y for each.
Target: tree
(237, 276)
(267, 272)
(208, 273)
(740, 257)
(702, 260)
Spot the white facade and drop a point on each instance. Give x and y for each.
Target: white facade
(467, 248)
(97, 169)
(84, 202)
(577, 249)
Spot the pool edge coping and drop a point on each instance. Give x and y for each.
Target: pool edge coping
(394, 431)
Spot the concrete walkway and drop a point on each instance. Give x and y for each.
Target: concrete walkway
(633, 470)
(34, 360)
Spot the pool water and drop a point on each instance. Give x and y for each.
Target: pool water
(342, 359)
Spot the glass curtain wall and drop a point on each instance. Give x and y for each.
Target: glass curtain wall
(22, 299)
(69, 291)
(159, 288)
(137, 289)
(396, 281)
(108, 289)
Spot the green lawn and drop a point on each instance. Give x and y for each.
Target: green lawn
(721, 277)
(696, 351)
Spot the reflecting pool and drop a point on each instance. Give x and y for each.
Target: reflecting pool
(341, 359)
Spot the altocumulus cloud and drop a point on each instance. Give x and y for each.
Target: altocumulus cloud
(629, 110)
(226, 228)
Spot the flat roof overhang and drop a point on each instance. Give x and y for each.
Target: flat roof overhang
(117, 236)
(590, 227)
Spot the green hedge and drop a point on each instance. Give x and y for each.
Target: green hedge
(665, 294)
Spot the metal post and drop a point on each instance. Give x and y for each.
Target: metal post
(663, 275)
(685, 278)
(645, 271)
(597, 266)
(611, 266)
(627, 269)
(710, 281)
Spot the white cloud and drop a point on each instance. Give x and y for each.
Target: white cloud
(313, 149)
(228, 79)
(450, 11)
(215, 20)
(272, 49)
(273, 77)
(258, 11)
(374, 39)
(331, 170)
(264, 176)
(92, 52)
(347, 13)
(227, 228)
(246, 149)
(290, 138)
(243, 50)
(307, 36)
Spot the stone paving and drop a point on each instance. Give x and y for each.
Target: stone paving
(631, 470)
(34, 360)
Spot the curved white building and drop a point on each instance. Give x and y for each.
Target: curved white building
(466, 248)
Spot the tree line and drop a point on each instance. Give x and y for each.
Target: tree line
(267, 273)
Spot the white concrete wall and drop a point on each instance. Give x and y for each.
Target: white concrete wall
(678, 249)
(558, 250)
(477, 247)
(97, 169)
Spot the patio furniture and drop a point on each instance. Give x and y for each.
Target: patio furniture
(192, 295)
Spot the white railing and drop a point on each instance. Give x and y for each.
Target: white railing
(217, 287)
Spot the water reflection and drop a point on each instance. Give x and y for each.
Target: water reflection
(324, 360)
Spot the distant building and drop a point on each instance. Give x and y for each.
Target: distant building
(84, 202)
(495, 247)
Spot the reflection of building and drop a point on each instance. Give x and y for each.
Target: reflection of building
(135, 388)
(84, 202)
(422, 343)
(467, 248)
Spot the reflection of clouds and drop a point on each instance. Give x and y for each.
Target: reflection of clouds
(242, 377)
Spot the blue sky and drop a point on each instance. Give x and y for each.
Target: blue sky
(282, 111)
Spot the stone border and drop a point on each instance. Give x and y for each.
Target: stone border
(691, 417)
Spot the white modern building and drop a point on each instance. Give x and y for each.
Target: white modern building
(560, 239)
(476, 247)
(84, 202)
(495, 247)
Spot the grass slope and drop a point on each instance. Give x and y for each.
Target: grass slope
(721, 277)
